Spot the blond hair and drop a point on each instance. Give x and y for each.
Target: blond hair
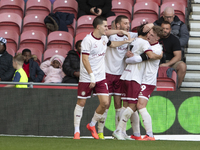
(19, 58)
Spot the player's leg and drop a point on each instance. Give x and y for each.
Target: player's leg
(101, 122)
(118, 105)
(143, 98)
(84, 92)
(103, 99)
(135, 124)
(78, 112)
(119, 132)
(145, 116)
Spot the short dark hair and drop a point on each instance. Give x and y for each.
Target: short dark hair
(26, 50)
(166, 22)
(140, 29)
(98, 21)
(77, 43)
(119, 18)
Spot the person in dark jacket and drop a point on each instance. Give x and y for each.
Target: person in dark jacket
(31, 67)
(71, 65)
(97, 8)
(179, 29)
(6, 62)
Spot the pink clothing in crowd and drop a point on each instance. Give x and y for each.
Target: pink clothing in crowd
(53, 74)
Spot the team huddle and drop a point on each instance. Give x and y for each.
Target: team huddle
(121, 64)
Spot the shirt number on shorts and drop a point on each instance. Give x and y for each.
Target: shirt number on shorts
(143, 87)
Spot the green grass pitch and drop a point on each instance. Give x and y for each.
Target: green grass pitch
(43, 143)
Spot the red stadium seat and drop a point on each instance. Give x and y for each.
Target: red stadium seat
(147, 9)
(11, 21)
(138, 21)
(184, 2)
(10, 51)
(130, 1)
(12, 39)
(67, 6)
(54, 51)
(38, 7)
(60, 39)
(164, 83)
(156, 1)
(34, 51)
(80, 36)
(33, 38)
(35, 22)
(84, 24)
(109, 21)
(121, 7)
(178, 8)
(12, 6)
(72, 27)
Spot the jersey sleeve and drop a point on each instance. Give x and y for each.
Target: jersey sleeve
(146, 47)
(85, 46)
(133, 34)
(17, 77)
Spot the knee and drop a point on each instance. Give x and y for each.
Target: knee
(140, 106)
(104, 104)
(81, 103)
(182, 67)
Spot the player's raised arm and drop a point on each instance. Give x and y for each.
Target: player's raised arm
(111, 32)
(119, 43)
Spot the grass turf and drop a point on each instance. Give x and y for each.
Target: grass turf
(42, 143)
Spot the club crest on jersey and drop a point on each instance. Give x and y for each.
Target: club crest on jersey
(95, 46)
(104, 43)
(83, 93)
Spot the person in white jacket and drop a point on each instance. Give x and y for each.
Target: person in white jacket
(53, 69)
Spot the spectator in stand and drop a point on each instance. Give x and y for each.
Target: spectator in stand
(178, 28)
(97, 8)
(53, 69)
(71, 65)
(6, 62)
(31, 67)
(172, 52)
(20, 74)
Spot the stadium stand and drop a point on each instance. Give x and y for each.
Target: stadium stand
(60, 39)
(121, 7)
(38, 7)
(35, 22)
(12, 40)
(33, 38)
(147, 9)
(80, 36)
(67, 6)
(156, 1)
(184, 2)
(12, 6)
(84, 24)
(109, 21)
(166, 80)
(11, 21)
